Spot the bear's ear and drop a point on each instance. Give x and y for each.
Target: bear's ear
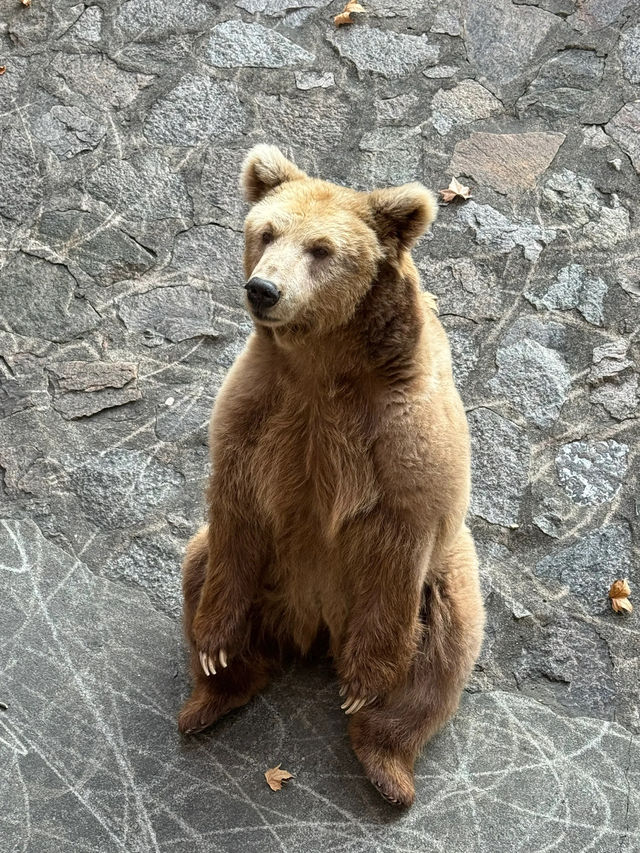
(403, 213)
(265, 167)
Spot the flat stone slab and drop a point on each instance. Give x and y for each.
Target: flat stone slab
(508, 161)
(384, 52)
(573, 288)
(465, 103)
(501, 60)
(624, 127)
(500, 462)
(235, 44)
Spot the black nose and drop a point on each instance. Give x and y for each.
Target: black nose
(262, 293)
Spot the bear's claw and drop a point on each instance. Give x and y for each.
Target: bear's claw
(208, 663)
(354, 703)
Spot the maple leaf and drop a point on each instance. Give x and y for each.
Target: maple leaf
(455, 190)
(345, 16)
(276, 777)
(619, 595)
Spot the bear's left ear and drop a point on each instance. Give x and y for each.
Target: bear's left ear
(265, 167)
(403, 213)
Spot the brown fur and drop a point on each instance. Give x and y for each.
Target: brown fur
(340, 476)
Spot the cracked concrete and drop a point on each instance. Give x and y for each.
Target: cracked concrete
(122, 128)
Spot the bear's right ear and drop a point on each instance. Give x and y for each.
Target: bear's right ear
(265, 167)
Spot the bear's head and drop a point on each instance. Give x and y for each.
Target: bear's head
(313, 249)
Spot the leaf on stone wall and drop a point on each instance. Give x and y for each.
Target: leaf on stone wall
(619, 595)
(620, 604)
(3, 68)
(276, 777)
(26, 2)
(345, 16)
(455, 190)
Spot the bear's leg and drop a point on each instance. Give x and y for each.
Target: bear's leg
(387, 736)
(213, 696)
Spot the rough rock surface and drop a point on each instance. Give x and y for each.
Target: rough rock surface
(500, 467)
(384, 52)
(624, 127)
(465, 103)
(237, 45)
(534, 378)
(503, 39)
(585, 566)
(573, 288)
(565, 85)
(198, 109)
(84, 387)
(495, 230)
(592, 472)
(630, 51)
(122, 128)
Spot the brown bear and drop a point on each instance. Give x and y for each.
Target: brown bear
(340, 475)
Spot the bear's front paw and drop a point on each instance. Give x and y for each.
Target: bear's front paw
(354, 703)
(208, 662)
(213, 645)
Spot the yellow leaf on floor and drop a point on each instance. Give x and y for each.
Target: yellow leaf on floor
(276, 777)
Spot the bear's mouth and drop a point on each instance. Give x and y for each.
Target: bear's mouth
(263, 318)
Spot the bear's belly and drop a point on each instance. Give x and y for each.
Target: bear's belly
(304, 589)
(301, 587)
(310, 479)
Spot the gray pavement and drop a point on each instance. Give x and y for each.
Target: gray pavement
(122, 127)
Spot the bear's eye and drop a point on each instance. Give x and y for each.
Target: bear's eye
(267, 237)
(319, 252)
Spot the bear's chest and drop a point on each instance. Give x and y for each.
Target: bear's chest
(314, 466)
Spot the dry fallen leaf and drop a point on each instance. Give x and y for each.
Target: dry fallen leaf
(620, 589)
(455, 190)
(275, 777)
(345, 16)
(26, 2)
(619, 595)
(3, 68)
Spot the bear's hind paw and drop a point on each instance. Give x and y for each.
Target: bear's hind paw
(391, 774)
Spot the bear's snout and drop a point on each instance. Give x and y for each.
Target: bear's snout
(261, 293)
